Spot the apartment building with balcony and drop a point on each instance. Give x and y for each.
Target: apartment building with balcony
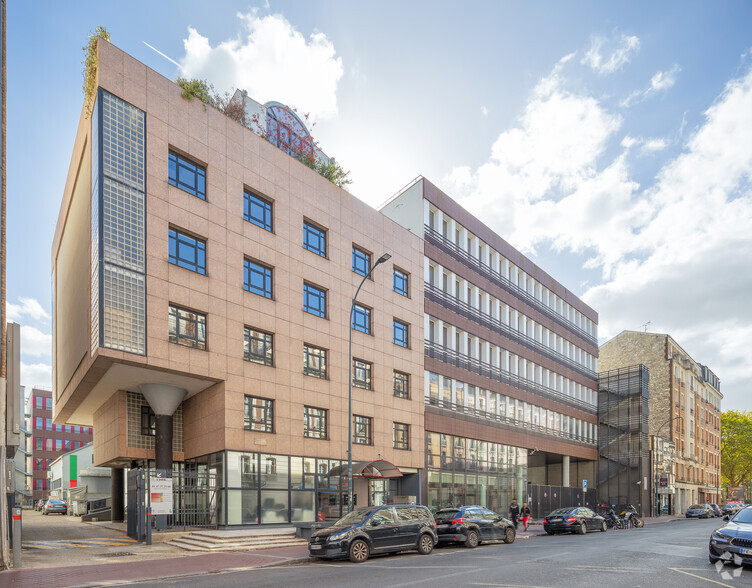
(202, 281)
(685, 414)
(510, 362)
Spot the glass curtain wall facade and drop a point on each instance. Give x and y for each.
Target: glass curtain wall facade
(118, 229)
(465, 471)
(623, 442)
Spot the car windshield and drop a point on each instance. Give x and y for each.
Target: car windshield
(696, 506)
(559, 512)
(353, 518)
(743, 516)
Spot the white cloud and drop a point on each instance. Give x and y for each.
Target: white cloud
(484, 110)
(660, 82)
(27, 308)
(36, 374)
(594, 58)
(273, 62)
(653, 145)
(34, 342)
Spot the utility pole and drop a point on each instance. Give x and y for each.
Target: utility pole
(4, 555)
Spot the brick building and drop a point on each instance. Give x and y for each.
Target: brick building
(49, 441)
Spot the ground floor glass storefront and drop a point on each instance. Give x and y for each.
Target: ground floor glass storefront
(261, 488)
(463, 471)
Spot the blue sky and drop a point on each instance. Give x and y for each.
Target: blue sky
(611, 142)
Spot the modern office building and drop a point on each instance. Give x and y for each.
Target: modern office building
(203, 280)
(685, 417)
(49, 440)
(510, 362)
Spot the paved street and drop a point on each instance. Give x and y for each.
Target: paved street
(669, 555)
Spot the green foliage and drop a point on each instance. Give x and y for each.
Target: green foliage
(200, 89)
(736, 447)
(333, 172)
(90, 64)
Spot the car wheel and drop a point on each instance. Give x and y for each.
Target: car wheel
(359, 551)
(425, 544)
(472, 539)
(509, 535)
(549, 531)
(604, 528)
(583, 529)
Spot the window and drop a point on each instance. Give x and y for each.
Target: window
(257, 346)
(39, 402)
(401, 436)
(361, 320)
(401, 385)
(39, 423)
(361, 430)
(148, 421)
(48, 444)
(314, 422)
(257, 210)
(48, 424)
(361, 262)
(67, 428)
(259, 414)
(186, 328)
(67, 445)
(48, 403)
(314, 239)
(401, 333)
(39, 443)
(314, 361)
(187, 175)
(257, 278)
(401, 282)
(188, 252)
(361, 374)
(58, 444)
(314, 300)
(59, 428)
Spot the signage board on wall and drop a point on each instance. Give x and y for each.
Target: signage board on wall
(160, 496)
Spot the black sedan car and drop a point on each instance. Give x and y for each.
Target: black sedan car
(733, 541)
(471, 525)
(578, 519)
(376, 529)
(699, 511)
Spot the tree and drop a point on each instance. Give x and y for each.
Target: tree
(736, 447)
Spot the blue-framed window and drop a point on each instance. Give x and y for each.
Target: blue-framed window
(361, 261)
(257, 278)
(401, 333)
(361, 320)
(187, 175)
(401, 282)
(314, 239)
(188, 252)
(258, 210)
(314, 300)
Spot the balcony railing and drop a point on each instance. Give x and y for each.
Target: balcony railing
(438, 240)
(489, 416)
(470, 364)
(434, 294)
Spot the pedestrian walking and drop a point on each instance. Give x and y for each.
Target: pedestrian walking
(514, 512)
(525, 514)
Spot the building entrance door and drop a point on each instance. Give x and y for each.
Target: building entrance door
(377, 490)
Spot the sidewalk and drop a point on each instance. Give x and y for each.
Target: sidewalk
(96, 574)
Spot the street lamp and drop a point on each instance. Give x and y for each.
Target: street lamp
(381, 260)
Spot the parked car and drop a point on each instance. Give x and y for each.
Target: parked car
(376, 529)
(699, 511)
(734, 538)
(55, 506)
(716, 509)
(471, 525)
(40, 504)
(578, 519)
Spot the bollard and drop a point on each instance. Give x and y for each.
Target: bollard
(16, 538)
(148, 525)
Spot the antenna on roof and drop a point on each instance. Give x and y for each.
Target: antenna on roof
(645, 326)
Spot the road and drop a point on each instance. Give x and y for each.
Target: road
(666, 555)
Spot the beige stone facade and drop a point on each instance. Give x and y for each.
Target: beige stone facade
(91, 381)
(685, 408)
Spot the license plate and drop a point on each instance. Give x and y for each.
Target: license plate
(745, 551)
(313, 547)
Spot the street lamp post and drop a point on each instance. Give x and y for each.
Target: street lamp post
(381, 260)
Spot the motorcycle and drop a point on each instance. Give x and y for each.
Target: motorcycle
(631, 518)
(612, 521)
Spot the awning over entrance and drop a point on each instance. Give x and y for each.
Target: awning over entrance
(379, 468)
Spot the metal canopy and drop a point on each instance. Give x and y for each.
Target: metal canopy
(379, 468)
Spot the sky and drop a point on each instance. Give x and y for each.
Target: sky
(609, 142)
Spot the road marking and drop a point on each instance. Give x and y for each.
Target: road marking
(599, 568)
(432, 579)
(699, 577)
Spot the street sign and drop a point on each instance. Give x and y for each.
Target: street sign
(160, 494)
(584, 485)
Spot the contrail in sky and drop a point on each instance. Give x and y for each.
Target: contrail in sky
(163, 55)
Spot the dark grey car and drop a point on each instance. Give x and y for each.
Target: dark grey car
(733, 541)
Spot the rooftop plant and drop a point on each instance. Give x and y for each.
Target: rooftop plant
(90, 66)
